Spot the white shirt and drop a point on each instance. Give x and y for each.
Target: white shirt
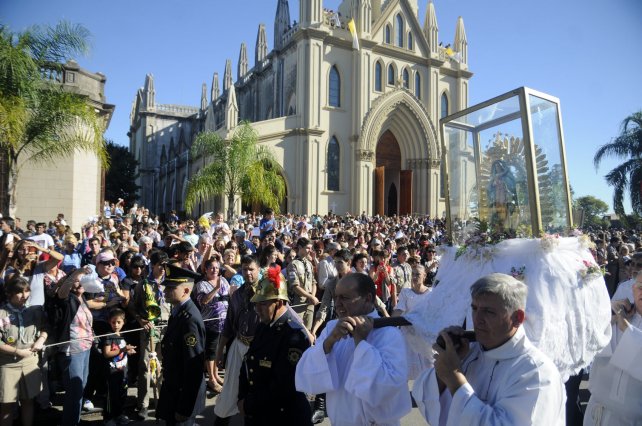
(616, 380)
(44, 240)
(326, 271)
(364, 385)
(514, 384)
(418, 361)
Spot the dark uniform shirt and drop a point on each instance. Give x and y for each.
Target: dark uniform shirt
(266, 381)
(183, 389)
(241, 320)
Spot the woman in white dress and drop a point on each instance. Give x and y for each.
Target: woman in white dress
(409, 298)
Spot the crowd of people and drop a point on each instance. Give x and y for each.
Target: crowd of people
(89, 311)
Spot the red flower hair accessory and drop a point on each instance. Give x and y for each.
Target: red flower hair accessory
(274, 275)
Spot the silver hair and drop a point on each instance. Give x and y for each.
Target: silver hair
(511, 291)
(145, 239)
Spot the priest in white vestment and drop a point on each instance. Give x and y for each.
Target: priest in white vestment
(502, 379)
(363, 371)
(616, 375)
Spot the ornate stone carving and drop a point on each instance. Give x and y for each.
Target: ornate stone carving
(421, 163)
(386, 105)
(365, 155)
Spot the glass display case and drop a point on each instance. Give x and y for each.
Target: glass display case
(505, 167)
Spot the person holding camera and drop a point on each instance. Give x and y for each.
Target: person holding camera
(24, 262)
(500, 379)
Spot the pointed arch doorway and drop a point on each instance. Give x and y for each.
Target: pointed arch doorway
(392, 185)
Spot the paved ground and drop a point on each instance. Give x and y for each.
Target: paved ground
(207, 417)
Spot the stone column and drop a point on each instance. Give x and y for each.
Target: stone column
(362, 182)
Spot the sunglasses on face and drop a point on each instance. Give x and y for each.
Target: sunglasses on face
(108, 263)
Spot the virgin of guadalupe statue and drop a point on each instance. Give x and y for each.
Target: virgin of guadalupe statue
(502, 195)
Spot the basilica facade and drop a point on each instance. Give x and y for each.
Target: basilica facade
(353, 123)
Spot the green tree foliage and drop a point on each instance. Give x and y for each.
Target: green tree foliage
(120, 179)
(39, 121)
(627, 177)
(236, 167)
(593, 209)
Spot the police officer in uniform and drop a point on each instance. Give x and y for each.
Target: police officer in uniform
(266, 382)
(182, 395)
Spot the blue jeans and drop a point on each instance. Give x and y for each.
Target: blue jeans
(75, 368)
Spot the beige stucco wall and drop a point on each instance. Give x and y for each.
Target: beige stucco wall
(69, 185)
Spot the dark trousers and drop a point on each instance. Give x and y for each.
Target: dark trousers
(116, 394)
(97, 372)
(574, 415)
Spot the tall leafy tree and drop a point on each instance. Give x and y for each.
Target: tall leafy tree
(120, 179)
(236, 167)
(594, 209)
(39, 120)
(627, 177)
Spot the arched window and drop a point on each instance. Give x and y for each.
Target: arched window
(333, 164)
(386, 35)
(406, 79)
(334, 94)
(400, 31)
(418, 85)
(410, 41)
(391, 75)
(378, 77)
(444, 105)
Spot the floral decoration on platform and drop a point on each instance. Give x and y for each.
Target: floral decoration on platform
(480, 246)
(586, 243)
(549, 242)
(518, 273)
(590, 270)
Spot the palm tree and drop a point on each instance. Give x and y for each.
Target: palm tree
(239, 166)
(627, 177)
(39, 120)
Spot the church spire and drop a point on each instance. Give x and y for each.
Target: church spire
(431, 30)
(215, 89)
(376, 9)
(227, 77)
(310, 13)
(281, 23)
(204, 97)
(461, 43)
(231, 109)
(242, 67)
(363, 17)
(261, 46)
(149, 94)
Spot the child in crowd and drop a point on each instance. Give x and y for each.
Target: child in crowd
(115, 350)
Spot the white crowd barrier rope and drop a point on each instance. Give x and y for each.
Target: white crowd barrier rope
(133, 330)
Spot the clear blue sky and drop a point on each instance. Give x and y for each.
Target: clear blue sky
(585, 52)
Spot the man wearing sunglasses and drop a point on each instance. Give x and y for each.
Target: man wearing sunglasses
(363, 371)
